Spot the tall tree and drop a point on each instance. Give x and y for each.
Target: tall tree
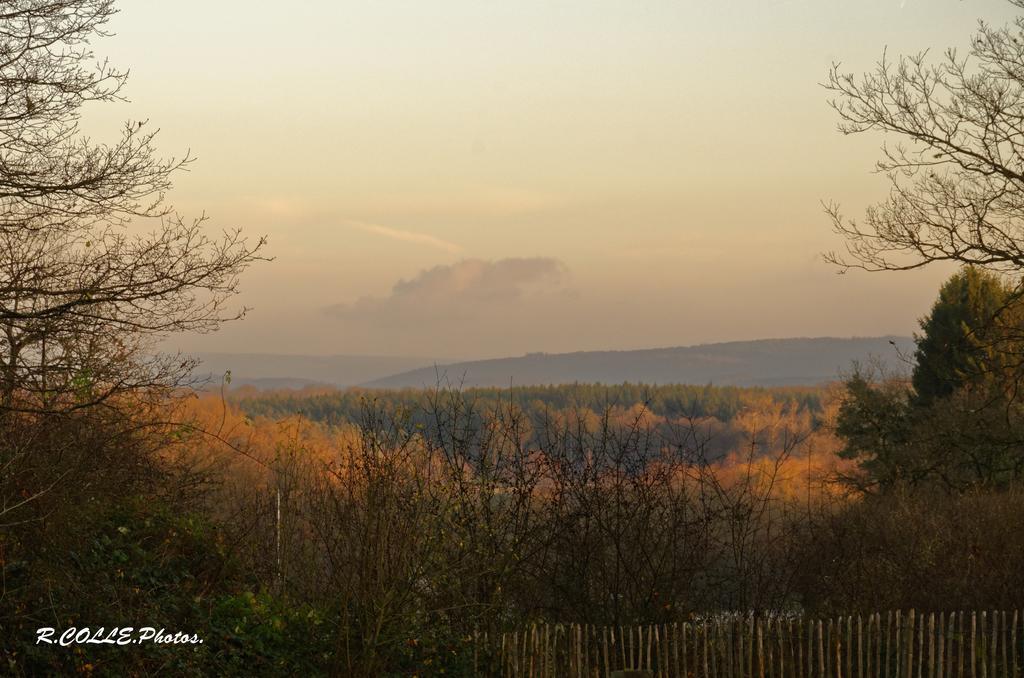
(957, 423)
(956, 167)
(960, 343)
(95, 267)
(956, 171)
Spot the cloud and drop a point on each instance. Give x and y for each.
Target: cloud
(408, 236)
(466, 290)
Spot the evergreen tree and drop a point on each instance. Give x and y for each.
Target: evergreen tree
(960, 340)
(874, 422)
(959, 423)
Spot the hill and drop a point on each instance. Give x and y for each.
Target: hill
(765, 362)
(271, 370)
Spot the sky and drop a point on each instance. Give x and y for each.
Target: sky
(466, 179)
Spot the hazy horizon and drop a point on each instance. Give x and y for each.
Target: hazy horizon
(469, 181)
(458, 359)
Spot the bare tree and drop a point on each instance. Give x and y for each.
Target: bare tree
(85, 294)
(81, 310)
(957, 164)
(49, 171)
(95, 268)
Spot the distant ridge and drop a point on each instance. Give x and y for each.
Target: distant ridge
(763, 362)
(276, 370)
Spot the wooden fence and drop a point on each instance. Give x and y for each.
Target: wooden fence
(885, 645)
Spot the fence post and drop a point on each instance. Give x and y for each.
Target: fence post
(622, 645)
(1013, 644)
(704, 640)
(652, 639)
(821, 649)
(667, 638)
(760, 649)
(650, 633)
(733, 666)
(588, 631)
(981, 654)
(792, 650)
(743, 648)
(860, 648)
(604, 649)
(839, 648)
(750, 648)
(974, 637)
(961, 642)
(632, 654)
(685, 671)
(1002, 631)
(993, 635)
(810, 647)
(883, 645)
(899, 655)
(909, 643)
(921, 645)
(849, 646)
(947, 657)
(675, 649)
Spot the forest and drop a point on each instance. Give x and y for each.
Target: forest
(367, 532)
(670, 402)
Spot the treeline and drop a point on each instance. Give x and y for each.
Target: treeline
(673, 402)
(720, 416)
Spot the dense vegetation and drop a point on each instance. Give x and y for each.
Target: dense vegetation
(673, 402)
(377, 533)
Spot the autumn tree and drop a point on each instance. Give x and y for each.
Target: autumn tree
(96, 268)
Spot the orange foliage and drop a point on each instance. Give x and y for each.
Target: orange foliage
(781, 452)
(219, 435)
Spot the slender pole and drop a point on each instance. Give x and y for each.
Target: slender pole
(277, 540)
